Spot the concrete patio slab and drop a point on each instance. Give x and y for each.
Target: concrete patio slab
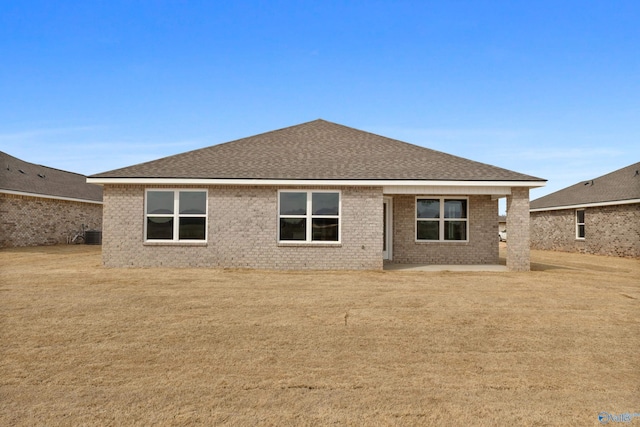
(423, 267)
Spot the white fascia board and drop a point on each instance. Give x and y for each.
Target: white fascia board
(312, 182)
(447, 190)
(46, 196)
(587, 205)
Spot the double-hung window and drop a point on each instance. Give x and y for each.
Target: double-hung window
(441, 219)
(580, 231)
(308, 216)
(176, 215)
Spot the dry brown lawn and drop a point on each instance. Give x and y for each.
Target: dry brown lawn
(85, 345)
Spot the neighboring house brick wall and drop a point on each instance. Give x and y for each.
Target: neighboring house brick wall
(482, 247)
(555, 230)
(609, 230)
(242, 232)
(35, 221)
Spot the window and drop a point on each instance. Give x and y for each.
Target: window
(441, 219)
(580, 224)
(179, 215)
(308, 216)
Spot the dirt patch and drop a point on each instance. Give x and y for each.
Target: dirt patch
(85, 345)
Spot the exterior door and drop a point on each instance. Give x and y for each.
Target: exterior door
(387, 232)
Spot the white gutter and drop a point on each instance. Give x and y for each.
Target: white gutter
(312, 182)
(46, 196)
(587, 205)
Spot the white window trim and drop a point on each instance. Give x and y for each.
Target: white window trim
(580, 223)
(309, 217)
(176, 216)
(440, 220)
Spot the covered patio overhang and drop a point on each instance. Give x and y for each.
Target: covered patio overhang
(517, 203)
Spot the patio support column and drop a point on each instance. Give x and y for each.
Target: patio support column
(518, 232)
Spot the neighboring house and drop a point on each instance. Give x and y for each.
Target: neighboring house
(44, 206)
(600, 216)
(313, 196)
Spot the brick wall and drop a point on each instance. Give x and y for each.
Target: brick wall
(242, 232)
(34, 221)
(555, 230)
(518, 230)
(482, 247)
(609, 230)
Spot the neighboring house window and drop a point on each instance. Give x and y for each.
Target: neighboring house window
(441, 219)
(580, 224)
(308, 216)
(176, 215)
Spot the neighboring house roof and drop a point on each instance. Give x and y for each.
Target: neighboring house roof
(20, 177)
(618, 187)
(318, 150)
(502, 218)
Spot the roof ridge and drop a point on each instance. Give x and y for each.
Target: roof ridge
(613, 172)
(40, 165)
(33, 178)
(318, 149)
(421, 147)
(220, 144)
(613, 186)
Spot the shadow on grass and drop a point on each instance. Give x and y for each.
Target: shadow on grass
(536, 266)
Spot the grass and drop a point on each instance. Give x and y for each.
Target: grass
(85, 345)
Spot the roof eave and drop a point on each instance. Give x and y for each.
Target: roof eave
(50, 196)
(313, 182)
(586, 205)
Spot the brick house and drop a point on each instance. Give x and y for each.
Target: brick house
(600, 216)
(44, 206)
(313, 196)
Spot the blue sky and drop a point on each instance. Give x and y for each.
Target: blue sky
(547, 88)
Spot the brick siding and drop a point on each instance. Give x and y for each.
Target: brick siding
(242, 232)
(482, 247)
(609, 230)
(518, 230)
(243, 226)
(35, 221)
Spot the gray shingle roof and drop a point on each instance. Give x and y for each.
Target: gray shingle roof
(18, 175)
(318, 150)
(622, 184)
